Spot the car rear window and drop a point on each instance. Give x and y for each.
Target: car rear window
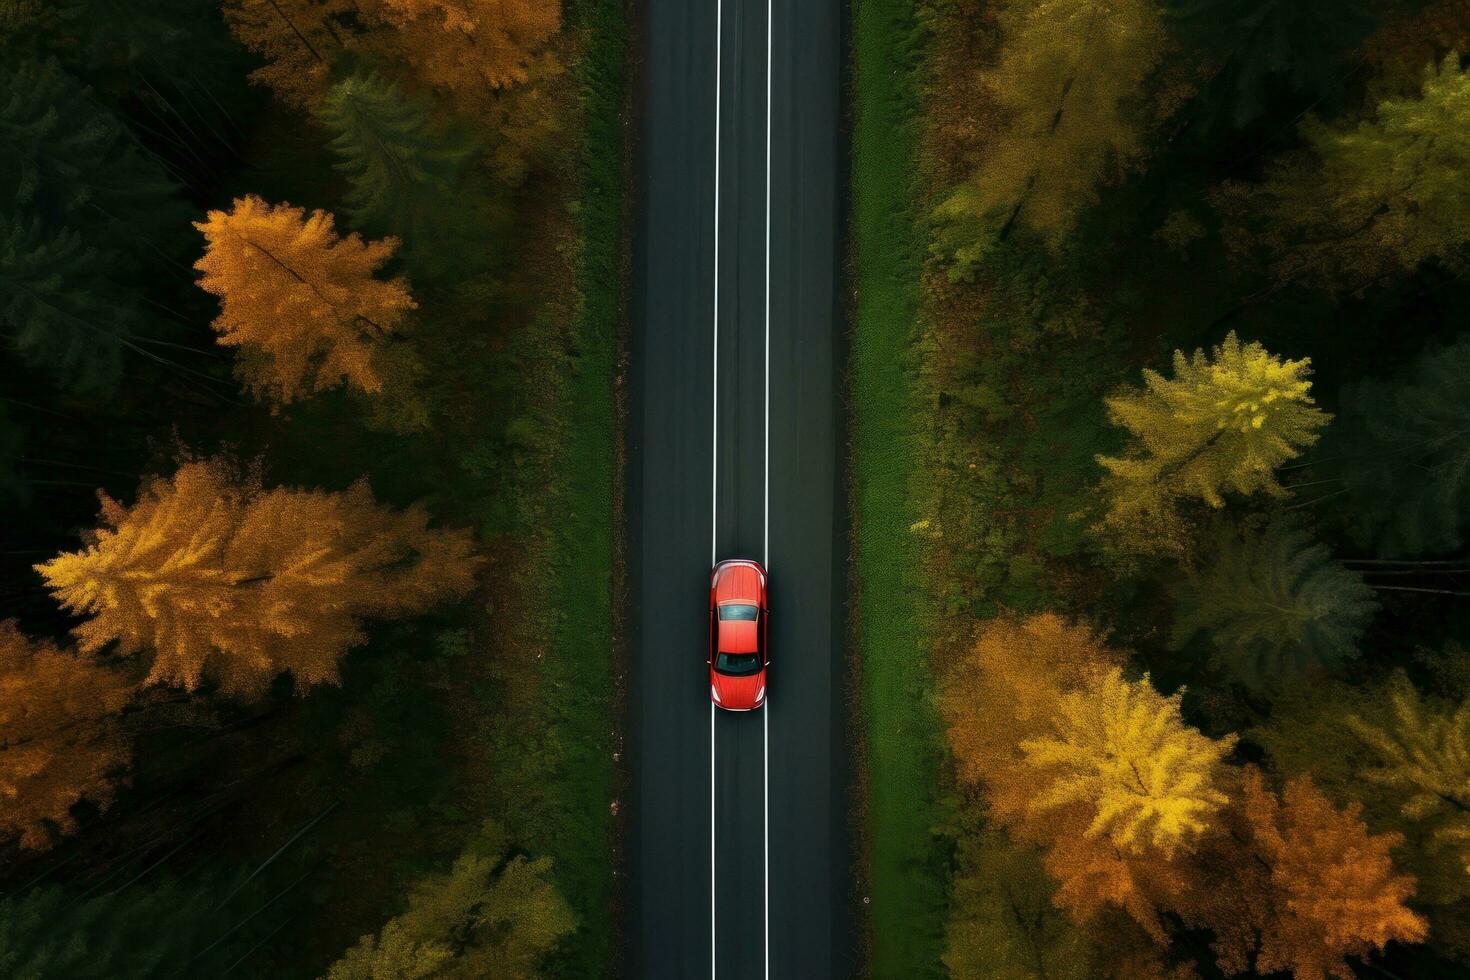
(738, 612)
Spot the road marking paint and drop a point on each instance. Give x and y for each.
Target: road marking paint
(715, 460)
(766, 529)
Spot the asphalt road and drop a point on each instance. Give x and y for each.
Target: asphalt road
(738, 847)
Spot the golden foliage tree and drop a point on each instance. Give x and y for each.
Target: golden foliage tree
(298, 40)
(59, 737)
(1121, 751)
(303, 305)
(1299, 885)
(1021, 727)
(466, 49)
(223, 578)
(487, 917)
(1223, 423)
(1067, 81)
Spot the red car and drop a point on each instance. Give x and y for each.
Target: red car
(738, 631)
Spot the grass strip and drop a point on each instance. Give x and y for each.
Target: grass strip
(906, 870)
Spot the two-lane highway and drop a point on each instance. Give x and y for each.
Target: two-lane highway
(738, 848)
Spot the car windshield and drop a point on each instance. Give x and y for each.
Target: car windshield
(738, 612)
(738, 663)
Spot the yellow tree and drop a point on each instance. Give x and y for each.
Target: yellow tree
(1121, 751)
(222, 578)
(60, 741)
(1068, 79)
(466, 49)
(302, 304)
(1030, 713)
(1223, 423)
(298, 40)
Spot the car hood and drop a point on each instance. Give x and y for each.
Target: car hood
(738, 692)
(738, 583)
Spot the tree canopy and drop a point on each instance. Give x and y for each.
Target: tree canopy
(1222, 424)
(60, 739)
(219, 577)
(1272, 603)
(493, 914)
(303, 304)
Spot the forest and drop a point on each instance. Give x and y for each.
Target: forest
(309, 332)
(1161, 307)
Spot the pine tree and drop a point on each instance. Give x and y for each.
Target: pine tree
(491, 915)
(60, 741)
(403, 170)
(1370, 201)
(302, 304)
(222, 578)
(1122, 751)
(1405, 448)
(1068, 77)
(299, 40)
(466, 49)
(84, 208)
(1422, 759)
(1273, 604)
(140, 925)
(1221, 424)
(57, 307)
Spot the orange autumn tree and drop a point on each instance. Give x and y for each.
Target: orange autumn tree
(465, 48)
(298, 40)
(224, 579)
(1298, 885)
(59, 737)
(1097, 771)
(303, 305)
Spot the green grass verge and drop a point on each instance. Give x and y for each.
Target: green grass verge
(905, 860)
(577, 680)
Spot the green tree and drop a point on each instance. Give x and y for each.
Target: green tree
(491, 915)
(1222, 424)
(403, 170)
(1422, 760)
(86, 210)
(57, 308)
(136, 929)
(1003, 923)
(1067, 81)
(1405, 454)
(1373, 200)
(1273, 604)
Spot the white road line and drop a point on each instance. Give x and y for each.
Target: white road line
(766, 530)
(715, 462)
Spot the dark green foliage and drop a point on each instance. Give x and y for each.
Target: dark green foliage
(53, 308)
(1405, 453)
(1269, 48)
(66, 157)
(404, 170)
(85, 208)
(126, 931)
(1273, 604)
